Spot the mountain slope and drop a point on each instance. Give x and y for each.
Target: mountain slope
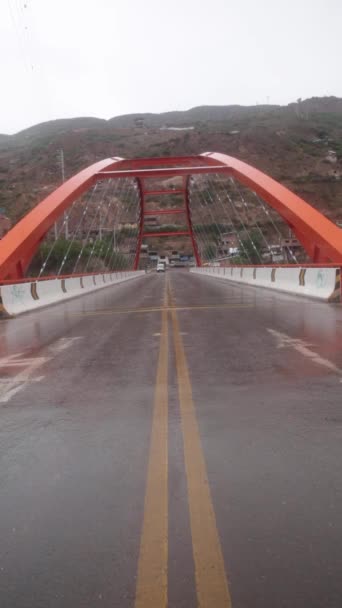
(300, 145)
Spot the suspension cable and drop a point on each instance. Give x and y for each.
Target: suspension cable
(269, 216)
(238, 215)
(245, 203)
(99, 239)
(60, 230)
(203, 204)
(226, 212)
(97, 212)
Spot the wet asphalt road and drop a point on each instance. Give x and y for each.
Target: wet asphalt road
(251, 403)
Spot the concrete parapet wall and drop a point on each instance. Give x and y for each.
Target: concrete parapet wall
(22, 297)
(313, 282)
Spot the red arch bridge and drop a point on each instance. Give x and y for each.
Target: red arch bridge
(171, 440)
(98, 222)
(214, 179)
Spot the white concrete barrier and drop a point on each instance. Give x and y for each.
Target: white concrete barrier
(313, 282)
(22, 297)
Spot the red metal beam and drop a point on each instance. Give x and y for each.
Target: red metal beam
(147, 235)
(163, 172)
(163, 211)
(169, 161)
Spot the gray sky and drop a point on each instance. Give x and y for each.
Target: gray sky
(64, 58)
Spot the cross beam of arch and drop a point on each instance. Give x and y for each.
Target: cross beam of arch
(321, 239)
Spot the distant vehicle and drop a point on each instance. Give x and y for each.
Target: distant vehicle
(160, 267)
(163, 259)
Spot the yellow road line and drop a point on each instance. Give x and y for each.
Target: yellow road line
(155, 309)
(211, 581)
(151, 590)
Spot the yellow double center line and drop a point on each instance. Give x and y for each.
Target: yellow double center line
(152, 568)
(211, 581)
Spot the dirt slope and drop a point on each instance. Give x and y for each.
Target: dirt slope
(300, 145)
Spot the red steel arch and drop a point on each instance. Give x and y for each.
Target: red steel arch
(319, 236)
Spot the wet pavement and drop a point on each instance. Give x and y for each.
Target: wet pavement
(174, 440)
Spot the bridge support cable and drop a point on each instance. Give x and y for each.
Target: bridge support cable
(205, 202)
(214, 195)
(103, 247)
(201, 235)
(132, 210)
(227, 214)
(244, 201)
(135, 226)
(96, 245)
(100, 242)
(76, 233)
(268, 213)
(234, 230)
(90, 225)
(67, 219)
(128, 202)
(189, 219)
(114, 260)
(97, 241)
(128, 213)
(235, 209)
(201, 228)
(225, 188)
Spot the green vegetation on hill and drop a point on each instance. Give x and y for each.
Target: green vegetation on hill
(98, 256)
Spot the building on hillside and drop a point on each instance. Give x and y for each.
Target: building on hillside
(174, 258)
(292, 248)
(153, 256)
(144, 252)
(5, 223)
(228, 244)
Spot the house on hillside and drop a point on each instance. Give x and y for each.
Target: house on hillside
(228, 244)
(292, 248)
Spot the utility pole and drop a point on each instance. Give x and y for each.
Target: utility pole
(61, 152)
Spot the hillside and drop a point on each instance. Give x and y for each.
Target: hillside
(300, 145)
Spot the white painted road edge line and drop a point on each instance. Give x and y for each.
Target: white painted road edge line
(300, 346)
(11, 386)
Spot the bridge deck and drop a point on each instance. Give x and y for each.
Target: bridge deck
(252, 401)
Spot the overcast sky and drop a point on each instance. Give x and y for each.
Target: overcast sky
(64, 58)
